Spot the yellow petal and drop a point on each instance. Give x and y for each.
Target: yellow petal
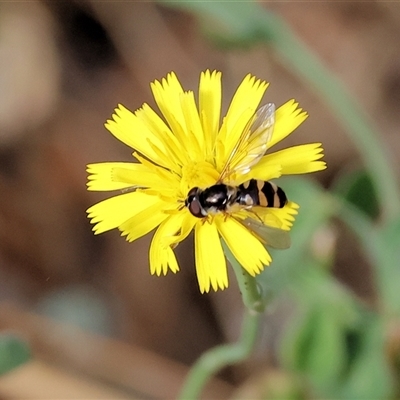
(242, 108)
(167, 95)
(168, 182)
(295, 160)
(195, 144)
(111, 213)
(210, 107)
(210, 260)
(185, 223)
(180, 111)
(121, 175)
(247, 249)
(144, 221)
(159, 128)
(248, 96)
(287, 118)
(261, 172)
(161, 254)
(132, 131)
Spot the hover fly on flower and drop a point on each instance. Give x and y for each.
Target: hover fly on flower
(199, 172)
(224, 197)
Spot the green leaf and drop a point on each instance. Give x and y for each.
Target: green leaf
(357, 188)
(13, 352)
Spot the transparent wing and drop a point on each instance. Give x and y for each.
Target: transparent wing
(252, 144)
(273, 237)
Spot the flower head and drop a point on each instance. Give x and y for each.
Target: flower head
(188, 147)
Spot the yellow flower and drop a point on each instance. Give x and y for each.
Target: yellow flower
(189, 147)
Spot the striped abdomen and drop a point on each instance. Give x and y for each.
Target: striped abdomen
(261, 193)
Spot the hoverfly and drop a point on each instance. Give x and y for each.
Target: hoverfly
(226, 197)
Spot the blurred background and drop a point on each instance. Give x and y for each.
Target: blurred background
(92, 315)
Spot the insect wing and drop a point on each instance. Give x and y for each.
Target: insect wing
(263, 123)
(273, 237)
(252, 144)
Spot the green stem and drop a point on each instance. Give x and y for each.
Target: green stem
(250, 291)
(221, 356)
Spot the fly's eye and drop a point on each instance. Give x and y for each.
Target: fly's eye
(189, 200)
(193, 192)
(192, 202)
(191, 196)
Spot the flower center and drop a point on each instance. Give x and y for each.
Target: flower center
(198, 174)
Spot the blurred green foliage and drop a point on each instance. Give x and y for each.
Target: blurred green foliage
(13, 352)
(334, 339)
(357, 188)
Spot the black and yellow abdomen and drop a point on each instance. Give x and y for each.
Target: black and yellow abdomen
(261, 193)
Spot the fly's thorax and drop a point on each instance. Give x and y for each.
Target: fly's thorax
(218, 197)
